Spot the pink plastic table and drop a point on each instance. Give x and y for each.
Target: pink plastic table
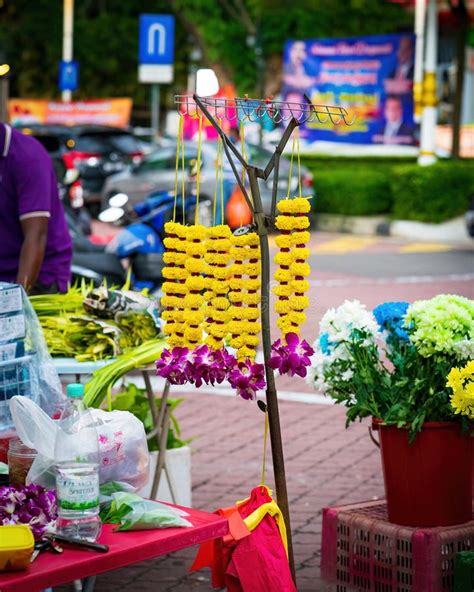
(50, 569)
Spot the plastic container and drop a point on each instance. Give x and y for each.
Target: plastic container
(16, 547)
(20, 459)
(427, 483)
(363, 552)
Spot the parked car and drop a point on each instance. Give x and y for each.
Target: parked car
(96, 151)
(156, 172)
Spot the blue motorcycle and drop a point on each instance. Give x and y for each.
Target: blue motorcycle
(141, 240)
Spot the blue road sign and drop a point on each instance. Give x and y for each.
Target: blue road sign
(68, 75)
(156, 41)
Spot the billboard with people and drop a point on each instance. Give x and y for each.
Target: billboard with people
(371, 77)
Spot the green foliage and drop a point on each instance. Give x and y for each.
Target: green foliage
(431, 194)
(226, 31)
(395, 187)
(134, 399)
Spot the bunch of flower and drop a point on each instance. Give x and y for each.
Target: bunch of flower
(207, 366)
(292, 356)
(393, 364)
(292, 264)
(341, 329)
(195, 284)
(244, 295)
(174, 288)
(461, 381)
(217, 258)
(391, 318)
(442, 326)
(32, 505)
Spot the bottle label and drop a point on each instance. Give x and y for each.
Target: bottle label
(78, 493)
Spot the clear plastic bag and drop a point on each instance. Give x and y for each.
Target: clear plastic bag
(26, 367)
(122, 442)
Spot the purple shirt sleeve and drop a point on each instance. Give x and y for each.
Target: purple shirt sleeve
(34, 184)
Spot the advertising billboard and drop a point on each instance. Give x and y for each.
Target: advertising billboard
(371, 77)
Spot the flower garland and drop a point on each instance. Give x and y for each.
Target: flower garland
(244, 295)
(216, 258)
(461, 381)
(206, 366)
(290, 354)
(174, 288)
(195, 283)
(292, 268)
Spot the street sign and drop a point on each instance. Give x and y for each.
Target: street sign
(156, 48)
(68, 75)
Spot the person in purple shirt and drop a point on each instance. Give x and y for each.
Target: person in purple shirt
(35, 245)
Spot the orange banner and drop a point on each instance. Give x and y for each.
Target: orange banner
(115, 112)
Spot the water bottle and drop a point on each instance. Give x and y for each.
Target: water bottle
(77, 469)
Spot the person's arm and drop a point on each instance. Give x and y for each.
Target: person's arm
(35, 233)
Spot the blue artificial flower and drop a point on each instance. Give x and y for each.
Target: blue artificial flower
(324, 343)
(390, 316)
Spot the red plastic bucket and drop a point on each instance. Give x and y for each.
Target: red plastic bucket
(427, 483)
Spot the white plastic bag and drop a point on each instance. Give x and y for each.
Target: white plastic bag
(122, 441)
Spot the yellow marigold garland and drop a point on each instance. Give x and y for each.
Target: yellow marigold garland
(244, 295)
(195, 284)
(292, 268)
(174, 288)
(216, 260)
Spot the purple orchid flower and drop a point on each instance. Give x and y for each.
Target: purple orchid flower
(247, 378)
(292, 358)
(172, 365)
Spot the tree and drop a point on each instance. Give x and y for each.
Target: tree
(235, 37)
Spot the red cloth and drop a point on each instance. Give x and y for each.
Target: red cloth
(244, 561)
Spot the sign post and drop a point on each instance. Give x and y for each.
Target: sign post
(156, 57)
(68, 27)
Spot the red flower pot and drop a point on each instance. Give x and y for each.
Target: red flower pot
(427, 483)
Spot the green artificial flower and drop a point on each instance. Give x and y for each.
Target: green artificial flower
(436, 326)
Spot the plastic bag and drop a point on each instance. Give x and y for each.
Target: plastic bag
(26, 367)
(122, 442)
(131, 512)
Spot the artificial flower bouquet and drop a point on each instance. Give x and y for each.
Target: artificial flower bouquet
(393, 363)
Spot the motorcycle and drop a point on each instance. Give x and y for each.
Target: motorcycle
(140, 242)
(71, 194)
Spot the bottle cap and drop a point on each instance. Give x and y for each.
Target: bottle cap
(75, 390)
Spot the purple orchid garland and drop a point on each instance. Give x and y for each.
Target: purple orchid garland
(292, 357)
(28, 504)
(206, 366)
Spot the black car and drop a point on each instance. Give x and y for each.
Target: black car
(96, 151)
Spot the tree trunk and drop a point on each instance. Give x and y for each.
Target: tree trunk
(223, 74)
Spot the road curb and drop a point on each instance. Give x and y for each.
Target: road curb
(450, 231)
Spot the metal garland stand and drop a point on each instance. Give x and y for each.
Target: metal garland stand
(254, 110)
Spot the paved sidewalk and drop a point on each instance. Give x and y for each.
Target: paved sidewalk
(325, 464)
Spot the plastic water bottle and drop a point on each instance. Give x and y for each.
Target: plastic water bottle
(77, 469)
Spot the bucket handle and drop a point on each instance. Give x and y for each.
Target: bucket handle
(371, 434)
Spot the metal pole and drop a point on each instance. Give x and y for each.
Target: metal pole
(271, 394)
(429, 116)
(4, 95)
(463, 28)
(155, 109)
(420, 16)
(68, 28)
